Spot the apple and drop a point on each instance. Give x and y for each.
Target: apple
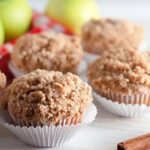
(1, 33)
(15, 16)
(72, 13)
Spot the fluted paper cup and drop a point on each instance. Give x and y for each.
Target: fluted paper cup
(48, 136)
(17, 72)
(125, 106)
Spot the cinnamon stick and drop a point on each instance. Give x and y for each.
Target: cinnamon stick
(138, 143)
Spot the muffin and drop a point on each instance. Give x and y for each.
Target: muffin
(2, 80)
(123, 77)
(48, 97)
(146, 55)
(49, 51)
(104, 34)
(47, 108)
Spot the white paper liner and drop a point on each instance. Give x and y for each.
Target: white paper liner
(127, 99)
(89, 57)
(48, 136)
(121, 109)
(16, 72)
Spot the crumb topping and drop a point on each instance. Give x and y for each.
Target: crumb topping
(126, 71)
(48, 97)
(105, 34)
(48, 51)
(2, 80)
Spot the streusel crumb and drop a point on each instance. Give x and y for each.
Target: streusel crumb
(48, 97)
(105, 34)
(146, 55)
(126, 71)
(2, 80)
(48, 51)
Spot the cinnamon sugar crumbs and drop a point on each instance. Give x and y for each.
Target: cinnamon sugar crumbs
(126, 71)
(47, 97)
(48, 51)
(105, 34)
(2, 80)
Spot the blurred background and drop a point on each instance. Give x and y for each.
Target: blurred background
(131, 9)
(136, 10)
(17, 17)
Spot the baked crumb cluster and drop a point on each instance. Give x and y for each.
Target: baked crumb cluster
(48, 97)
(105, 34)
(125, 71)
(48, 51)
(146, 55)
(2, 80)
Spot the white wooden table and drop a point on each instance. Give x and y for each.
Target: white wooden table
(107, 130)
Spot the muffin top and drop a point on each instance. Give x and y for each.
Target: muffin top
(47, 97)
(2, 80)
(126, 71)
(105, 34)
(50, 51)
(146, 55)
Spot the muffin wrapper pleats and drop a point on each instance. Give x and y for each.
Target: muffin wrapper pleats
(48, 136)
(127, 99)
(82, 67)
(68, 121)
(126, 106)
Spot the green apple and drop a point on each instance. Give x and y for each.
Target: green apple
(1, 34)
(72, 13)
(15, 16)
